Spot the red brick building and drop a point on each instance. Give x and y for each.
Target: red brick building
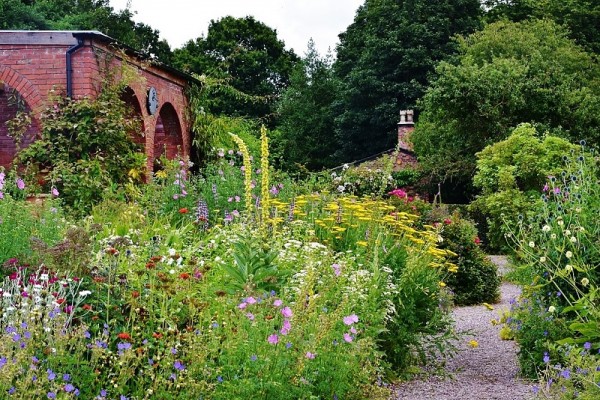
(37, 64)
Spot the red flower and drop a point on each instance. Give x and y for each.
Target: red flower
(157, 335)
(184, 275)
(477, 240)
(135, 294)
(60, 301)
(150, 265)
(87, 307)
(183, 210)
(447, 221)
(124, 336)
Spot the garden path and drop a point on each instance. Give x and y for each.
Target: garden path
(486, 372)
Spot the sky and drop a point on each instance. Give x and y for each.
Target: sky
(296, 21)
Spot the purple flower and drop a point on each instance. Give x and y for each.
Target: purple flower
(546, 358)
(51, 395)
(20, 184)
(288, 345)
(51, 374)
(12, 390)
(69, 388)
(273, 339)
(219, 378)
(566, 373)
(123, 346)
(66, 377)
(253, 357)
(54, 192)
(350, 319)
(286, 312)
(250, 316)
(173, 350)
(587, 345)
(178, 365)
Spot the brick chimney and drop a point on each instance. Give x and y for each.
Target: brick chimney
(405, 127)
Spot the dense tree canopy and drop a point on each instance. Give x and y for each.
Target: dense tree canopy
(580, 17)
(248, 53)
(507, 74)
(306, 119)
(383, 61)
(84, 15)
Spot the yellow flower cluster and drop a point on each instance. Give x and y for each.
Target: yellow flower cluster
(264, 166)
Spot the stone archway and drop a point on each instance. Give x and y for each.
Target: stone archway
(168, 139)
(13, 105)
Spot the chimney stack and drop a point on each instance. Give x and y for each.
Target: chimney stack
(405, 127)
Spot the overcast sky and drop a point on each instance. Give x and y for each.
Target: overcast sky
(295, 21)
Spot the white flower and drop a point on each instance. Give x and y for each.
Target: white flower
(531, 244)
(569, 268)
(567, 232)
(553, 236)
(542, 259)
(546, 228)
(585, 281)
(341, 188)
(172, 252)
(568, 254)
(551, 309)
(84, 293)
(172, 271)
(573, 239)
(560, 222)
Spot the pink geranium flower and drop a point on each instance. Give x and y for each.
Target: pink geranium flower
(286, 312)
(273, 339)
(351, 319)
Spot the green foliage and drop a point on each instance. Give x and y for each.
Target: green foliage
(25, 226)
(383, 62)
(476, 280)
(580, 17)
(305, 115)
(253, 268)
(507, 74)
(557, 252)
(511, 173)
(86, 146)
(249, 56)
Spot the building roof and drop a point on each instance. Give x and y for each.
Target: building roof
(70, 38)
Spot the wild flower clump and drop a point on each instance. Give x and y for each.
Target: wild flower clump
(559, 253)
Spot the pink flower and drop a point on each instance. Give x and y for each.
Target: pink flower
(242, 305)
(251, 300)
(347, 337)
(250, 316)
(54, 192)
(273, 339)
(285, 329)
(336, 269)
(310, 355)
(20, 184)
(286, 312)
(353, 330)
(278, 303)
(350, 319)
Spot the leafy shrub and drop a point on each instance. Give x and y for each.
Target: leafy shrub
(476, 280)
(87, 148)
(510, 174)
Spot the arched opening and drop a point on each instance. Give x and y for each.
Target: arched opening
(18, 128)
(135, 111)
(168, 140)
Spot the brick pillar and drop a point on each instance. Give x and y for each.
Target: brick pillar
(405, 127)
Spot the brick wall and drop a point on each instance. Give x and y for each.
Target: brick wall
(34, 64)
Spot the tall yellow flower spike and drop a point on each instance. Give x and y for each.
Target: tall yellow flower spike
(264, 166)
(247, 171)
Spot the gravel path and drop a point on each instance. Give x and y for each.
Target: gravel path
(487, 372)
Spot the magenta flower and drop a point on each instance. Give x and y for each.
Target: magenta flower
(242, 305)
(286, 312)
(310, 355)
(20, 184)
(348, 337)
(54, 192)
(278, 303)
(273, 339)
(285, 329)
(350, 319)
(556, 190)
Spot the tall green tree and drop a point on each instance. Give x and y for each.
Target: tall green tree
(507, 74)
(384, 60)
(84, 15)
(580, 17)
(249, 54)
(305, 116)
